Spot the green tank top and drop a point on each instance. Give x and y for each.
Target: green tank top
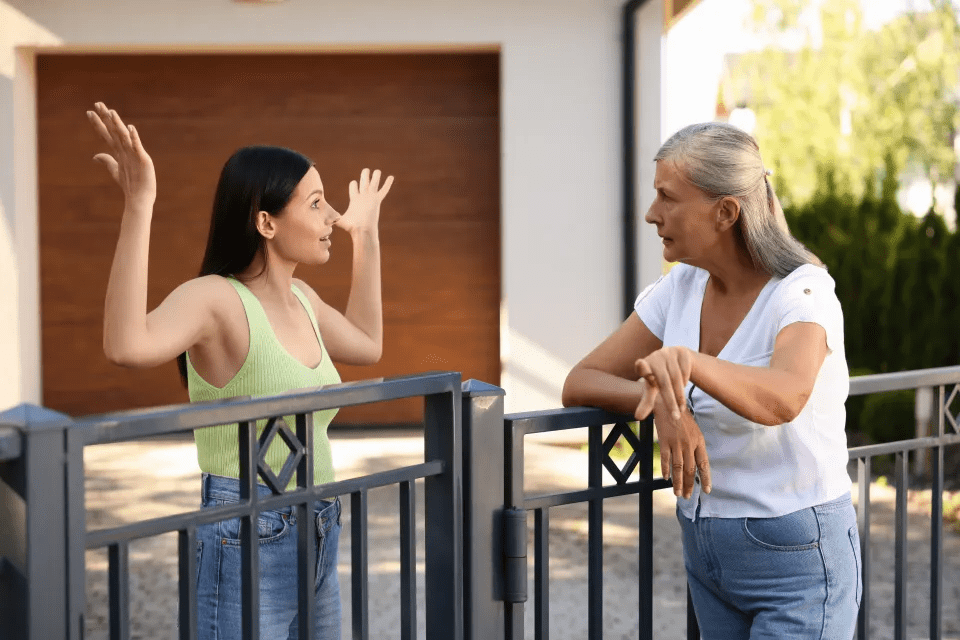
(268, 370)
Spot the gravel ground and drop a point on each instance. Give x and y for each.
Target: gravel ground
(134, 481)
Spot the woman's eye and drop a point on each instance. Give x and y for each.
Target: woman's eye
(316, 204)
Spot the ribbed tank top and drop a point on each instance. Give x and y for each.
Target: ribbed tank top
(268, 370)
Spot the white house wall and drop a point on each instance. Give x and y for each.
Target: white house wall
(560, 165)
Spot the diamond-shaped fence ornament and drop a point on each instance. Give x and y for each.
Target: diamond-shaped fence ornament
(621, 430)
(953, 417)
(278, 481)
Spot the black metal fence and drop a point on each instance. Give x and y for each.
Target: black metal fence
(475, 508)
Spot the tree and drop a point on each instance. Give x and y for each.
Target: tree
(854, 102)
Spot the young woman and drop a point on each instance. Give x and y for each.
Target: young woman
(246, 326)
(738, 351)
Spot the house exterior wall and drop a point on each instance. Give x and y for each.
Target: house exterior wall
(560, 142)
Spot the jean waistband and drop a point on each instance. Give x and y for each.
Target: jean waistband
(227, 488)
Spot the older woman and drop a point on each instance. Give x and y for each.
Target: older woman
(738, 352)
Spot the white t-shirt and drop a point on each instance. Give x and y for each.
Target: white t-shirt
(759, 471)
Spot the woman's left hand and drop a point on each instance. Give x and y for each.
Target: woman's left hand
(666, 371)
(363, 213)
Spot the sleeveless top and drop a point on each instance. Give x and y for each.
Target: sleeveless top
(268, 370)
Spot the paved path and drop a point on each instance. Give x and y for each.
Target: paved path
(132, 481)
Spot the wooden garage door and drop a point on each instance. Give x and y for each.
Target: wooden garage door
(432, 120)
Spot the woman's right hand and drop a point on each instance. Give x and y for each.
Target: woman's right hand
(128, 163)
(682, 448)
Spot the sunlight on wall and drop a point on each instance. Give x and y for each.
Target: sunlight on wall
(17, 30)
(533, 375)
(9, 325)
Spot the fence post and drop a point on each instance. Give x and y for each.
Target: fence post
(38, 599)
(483, 510)
(443, 515)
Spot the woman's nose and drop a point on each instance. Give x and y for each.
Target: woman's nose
(333, 214)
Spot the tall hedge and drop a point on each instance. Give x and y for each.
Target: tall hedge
(898, 280)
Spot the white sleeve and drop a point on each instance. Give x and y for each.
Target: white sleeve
(653, 304)
(808, 296)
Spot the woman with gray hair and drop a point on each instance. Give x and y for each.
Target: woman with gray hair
(738, 352)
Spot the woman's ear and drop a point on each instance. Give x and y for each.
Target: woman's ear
(728, 213)
(265, 224)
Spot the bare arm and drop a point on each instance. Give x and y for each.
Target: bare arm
(131, 337)
(606, 377)
(769, 395)
(356, 336)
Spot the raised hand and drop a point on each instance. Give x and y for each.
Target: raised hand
(363, 213)
(128, 163)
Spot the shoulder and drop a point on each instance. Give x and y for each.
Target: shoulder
(306, 290)
(809, 282)
(316, 303)
(212, 293)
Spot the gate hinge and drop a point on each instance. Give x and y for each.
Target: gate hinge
(515, 555)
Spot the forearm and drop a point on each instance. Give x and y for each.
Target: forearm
(760, 394)
(125, 306)
(365, 304)
(595, 388)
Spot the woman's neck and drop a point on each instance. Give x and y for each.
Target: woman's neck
(268, 279)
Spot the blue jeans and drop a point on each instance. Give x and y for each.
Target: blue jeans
(795, 576)
(218, 568)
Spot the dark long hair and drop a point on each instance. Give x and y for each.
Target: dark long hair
(254, 179)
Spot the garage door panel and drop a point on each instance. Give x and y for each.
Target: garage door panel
(431, 120)
(282, 85)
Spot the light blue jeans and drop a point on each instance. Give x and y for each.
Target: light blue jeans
(796, 576)
(218, 569)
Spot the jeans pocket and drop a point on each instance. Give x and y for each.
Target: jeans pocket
(797, 531)
(854, 536)
(272, 526)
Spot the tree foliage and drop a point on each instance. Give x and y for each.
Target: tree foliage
(860, 101)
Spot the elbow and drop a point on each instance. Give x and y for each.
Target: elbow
(784, 410)
(121, 355)
(570, 397)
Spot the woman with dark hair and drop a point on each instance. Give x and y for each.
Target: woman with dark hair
(246, 326)
(738, 352)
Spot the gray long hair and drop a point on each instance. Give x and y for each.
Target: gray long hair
(722, 160)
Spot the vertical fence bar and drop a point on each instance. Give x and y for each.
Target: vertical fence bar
(936, 524)
(900, 549)
(595, 538)
(187, 582)
(75, 529)
(358, 551)
(119, 587)
(513, 499)
(541, 580)
(693, 626)
(645, 530)
(863, 524)
(483, 503)
(443, 514)
(306, 534)
(249, 540)
(408, 562)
